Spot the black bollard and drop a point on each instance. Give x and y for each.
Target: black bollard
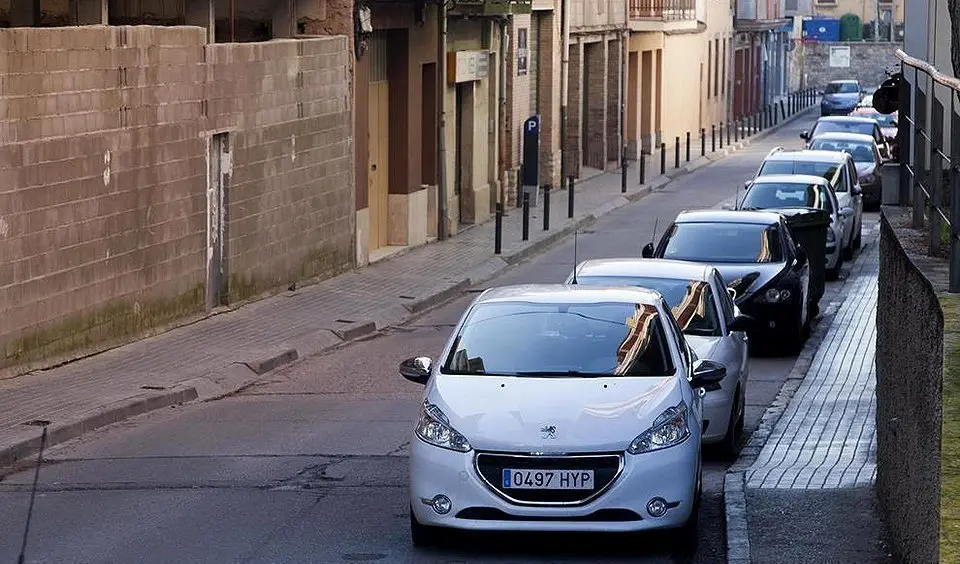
(570, 183)
(643, 167)
(713, 138)
(676, 153)
(663, 158)
(688, 146)
(526, 215)
(721, 136)
(623, 171)
(498, 230)
(703, 142)
(729, 127)
(546, 206)
(736, 130)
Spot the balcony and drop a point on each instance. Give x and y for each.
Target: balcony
(663, 15)
(759, 15)
(490, 7)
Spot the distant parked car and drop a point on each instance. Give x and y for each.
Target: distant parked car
(789, 191)
(837, 167)
(709, 320)
(866, 157)
(760, 261)
(848, 124)
(840, 97)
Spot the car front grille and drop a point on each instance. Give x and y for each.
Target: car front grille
(606, 467)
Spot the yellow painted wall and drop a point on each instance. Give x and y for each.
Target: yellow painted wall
(863, 8)
(597, 13)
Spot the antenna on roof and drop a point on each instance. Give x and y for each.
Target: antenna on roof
(576, 264)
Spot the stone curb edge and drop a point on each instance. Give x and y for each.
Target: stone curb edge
(239, 376)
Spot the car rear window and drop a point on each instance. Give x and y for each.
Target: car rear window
(822, 127)
(825, 170)
(743, 243)
(767, 195)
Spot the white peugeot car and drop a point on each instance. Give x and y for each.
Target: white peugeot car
(560, 408)
(711, 323)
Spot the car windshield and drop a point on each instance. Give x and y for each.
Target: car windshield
(766, 195)
(825, 170)
(724, 243)
(842, 88)
(522, 338)
(865, 128)
(883, 120)
(861, 152)
(691, 300)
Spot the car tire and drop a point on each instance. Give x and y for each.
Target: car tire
(686, 540)
(423, 535)
(833, 274)
(795, 337)
(858, 240)
(730, 444)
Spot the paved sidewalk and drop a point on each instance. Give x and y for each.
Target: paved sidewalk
(802, 490)
(226, 352)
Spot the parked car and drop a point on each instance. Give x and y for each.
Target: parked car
(783, 191)
(848, 124)
(840, 97)
(758, 257)
(711, 323)
(837, 167)
(866, 158)
(887, 122)
(560, 408)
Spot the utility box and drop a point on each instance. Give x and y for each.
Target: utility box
(530, 168)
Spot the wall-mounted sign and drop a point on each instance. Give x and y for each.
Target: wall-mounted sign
(467, 66)
(840, 57)
(521, 51)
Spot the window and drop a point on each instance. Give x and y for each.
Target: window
(726, 302)
(674, 329)
(861, 152)
(842, 88)
(767, 195)
(536, 339)
(866, 128)
(744, 243)
(827, 170)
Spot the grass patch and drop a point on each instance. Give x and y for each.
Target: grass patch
(950, 443)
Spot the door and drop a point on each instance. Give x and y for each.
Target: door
(217, 180)
(378, 134)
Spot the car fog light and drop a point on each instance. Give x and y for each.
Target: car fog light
(773, 324)
(657, 507)
(442, 504)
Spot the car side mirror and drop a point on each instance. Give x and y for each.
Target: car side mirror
(805, 135)
(647, 251)
(707, 372)
(893, 123)
(847, 211)
(742, 323)
(416, 369)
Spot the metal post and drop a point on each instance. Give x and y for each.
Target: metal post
(498, 230)
(623, 171)
(954, 199)
(442, 122)
(663, 158)
(736, 131)
(570, 183)
(643, 167)
(676, 153)
(526, 216)
(713, 138)
(783, 112)
(918, 160)
(721, 136)
(729, 127)
(703, 142)
(546, 206)
(688, 146)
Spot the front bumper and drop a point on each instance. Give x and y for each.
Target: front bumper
(778, 317)
(670, 474)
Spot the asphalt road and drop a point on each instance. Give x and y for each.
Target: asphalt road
(309, 465)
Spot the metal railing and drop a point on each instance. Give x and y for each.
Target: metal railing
(929, 177)
(663, 9)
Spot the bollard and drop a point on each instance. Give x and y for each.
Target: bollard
(688, 146)
(713, 138)
(623, 171)
(753, 124)
(729, 127)
(570, 183)
(676, 153)
(498, 230)
(721, 136)
(526, 216)
(703, 142)
(736, 130)
(663, 158)
(546, 206)
(643, 166)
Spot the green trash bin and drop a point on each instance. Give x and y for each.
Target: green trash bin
(809, 228)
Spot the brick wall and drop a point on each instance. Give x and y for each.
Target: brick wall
(595, 65)
(867, 63)
(614, 86)
(103, 161)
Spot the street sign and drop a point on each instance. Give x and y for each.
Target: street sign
(530, 168)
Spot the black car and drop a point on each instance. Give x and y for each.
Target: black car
(765, 269)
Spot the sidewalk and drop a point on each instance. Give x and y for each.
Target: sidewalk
(802, 490)
(226, 352)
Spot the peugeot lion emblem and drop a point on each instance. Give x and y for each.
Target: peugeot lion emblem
(548, 432)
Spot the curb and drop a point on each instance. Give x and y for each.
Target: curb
(735, 508)
(239, 375)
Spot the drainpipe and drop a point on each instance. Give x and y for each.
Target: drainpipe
(564, 88)
(624, 88)
(504, 41)
(442, 121)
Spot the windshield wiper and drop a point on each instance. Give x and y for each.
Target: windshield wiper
(562, 373)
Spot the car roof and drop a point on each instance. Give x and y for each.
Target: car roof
(791, 179)
(563, 293)
(660, 268)
(853, 80)
(728, 216)
(846, 136)
(814, 155)
(846, 119)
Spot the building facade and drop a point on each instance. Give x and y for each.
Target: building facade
(761, 47)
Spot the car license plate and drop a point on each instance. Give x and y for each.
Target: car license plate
(516, 479)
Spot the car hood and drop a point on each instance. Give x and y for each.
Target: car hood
(588, 414)
(864, 169)
(746, 279)
(842, 98)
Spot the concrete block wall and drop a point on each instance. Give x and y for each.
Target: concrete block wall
(291, 197)
(867, 63)
(103, 163)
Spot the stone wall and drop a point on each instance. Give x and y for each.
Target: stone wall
(909, 382)
(867, 63)
(104, 168)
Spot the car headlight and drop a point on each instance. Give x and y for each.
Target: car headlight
(669, 429)
(831, 236)
(774, 295)
(434, 428)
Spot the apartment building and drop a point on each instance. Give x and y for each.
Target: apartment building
(761, 67)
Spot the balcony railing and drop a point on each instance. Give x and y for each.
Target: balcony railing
(663, 10)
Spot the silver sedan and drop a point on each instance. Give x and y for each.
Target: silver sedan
(711, 323)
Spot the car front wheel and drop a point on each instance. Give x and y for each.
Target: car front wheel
(731, 441)
(686, 539)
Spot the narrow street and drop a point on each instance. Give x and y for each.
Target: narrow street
(309, 465)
